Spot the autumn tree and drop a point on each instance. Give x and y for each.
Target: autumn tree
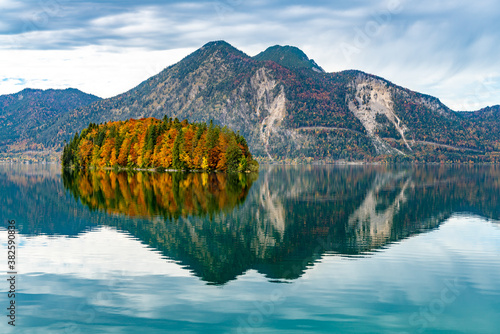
(150, 142)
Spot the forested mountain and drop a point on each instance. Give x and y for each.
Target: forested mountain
(25, 115)
(287, 107)
(289, 57)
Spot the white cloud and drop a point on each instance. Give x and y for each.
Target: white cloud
(9, 4)
(438, 49)
(104, 72)
(92, 256)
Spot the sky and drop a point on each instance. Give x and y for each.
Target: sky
(449, 49)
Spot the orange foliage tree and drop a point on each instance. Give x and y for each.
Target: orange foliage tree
(154, 143)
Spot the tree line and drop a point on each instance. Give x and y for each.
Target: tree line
(154, 143)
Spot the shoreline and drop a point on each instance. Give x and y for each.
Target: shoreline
(312, 163)
(157, 170)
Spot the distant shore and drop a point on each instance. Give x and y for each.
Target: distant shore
(261, 162)
(158, 170)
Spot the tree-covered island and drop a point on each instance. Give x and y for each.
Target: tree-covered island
(161, 144)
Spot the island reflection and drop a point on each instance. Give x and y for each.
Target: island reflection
(168, 195)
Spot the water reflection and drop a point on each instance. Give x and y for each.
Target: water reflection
(169, 195)
(121, 273)
(279, 225)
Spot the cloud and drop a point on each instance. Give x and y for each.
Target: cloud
(13, 83)
(9, 4)
(101, 71)
(439, 48)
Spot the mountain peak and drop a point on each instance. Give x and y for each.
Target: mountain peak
(220, 46)
(220, 43)
(288, 56)
(52, 91)
(29, 90)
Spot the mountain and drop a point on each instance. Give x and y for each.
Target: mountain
(287, 107)
(289, 57)
(31, 111)
(487, 121)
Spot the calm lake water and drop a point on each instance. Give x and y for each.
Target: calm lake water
(307, 249)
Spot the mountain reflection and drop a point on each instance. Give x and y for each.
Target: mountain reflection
(169, 195)
(219, 226)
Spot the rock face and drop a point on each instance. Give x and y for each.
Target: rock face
(373, 98)
(287, 107)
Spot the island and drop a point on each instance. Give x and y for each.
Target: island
(151, 143)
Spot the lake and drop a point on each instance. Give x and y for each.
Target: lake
(295, 249)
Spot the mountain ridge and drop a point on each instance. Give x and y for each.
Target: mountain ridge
(31, 110)
(287, 110)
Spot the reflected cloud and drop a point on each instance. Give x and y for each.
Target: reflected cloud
(148, 291)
